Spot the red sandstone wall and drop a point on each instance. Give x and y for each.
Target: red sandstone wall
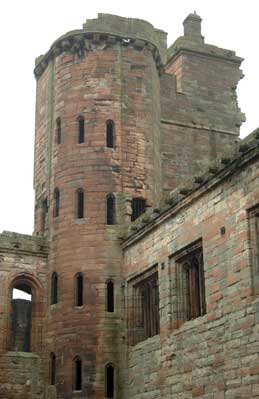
(120, 83)
(216, 355)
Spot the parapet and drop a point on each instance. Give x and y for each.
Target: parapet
(129, 28)
(110, 29)
(23, 243)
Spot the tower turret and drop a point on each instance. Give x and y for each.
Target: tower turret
(97, 166)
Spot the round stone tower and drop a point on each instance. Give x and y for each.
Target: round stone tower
(97, 148)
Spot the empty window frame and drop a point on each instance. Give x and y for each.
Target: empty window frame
(138, 206)
(110, 296)
(109, 379)
(79, 289)
(52, 368)
(110, 207)
(77, 374)
(54, 289)
(56, 202)
(81, 129)
(253, 219)
(146, 307)
(110, 134)
(21, 317)
(80, 203)
(190, 283)
(58, 130)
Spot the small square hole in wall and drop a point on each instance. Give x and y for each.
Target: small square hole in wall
(222, 230)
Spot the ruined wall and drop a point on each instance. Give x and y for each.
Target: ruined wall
(214, 355)
(199, 110)
(24, 366)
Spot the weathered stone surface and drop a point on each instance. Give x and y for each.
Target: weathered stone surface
(175, 146)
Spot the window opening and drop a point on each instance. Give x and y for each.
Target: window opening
(110, 296)
(54, 288)
(56, 202)
(146, 308)
(52, 368)
(79, 289)
(80, 203)
(253, 219)
(58, 129)
(78, 374)
(110, 134)
(109, 381)
(44, 208)
(138, 206)
(21, 318)
(81, 130)
(110, 199)
(191, 284)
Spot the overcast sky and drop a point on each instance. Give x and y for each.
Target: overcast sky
(28, 28)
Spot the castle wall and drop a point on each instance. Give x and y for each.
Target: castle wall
(214, 355)
(24, 365)
(200, 117)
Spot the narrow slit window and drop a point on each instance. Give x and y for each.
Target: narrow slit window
(138, 207)
(80, 203)
(52, 368)
(56, 202)
(111, 219)
(81, 130)
(58, 130)
(109, 381)
(110, 136)
(110, 296)
(79, 289)
(54, 288)
(78, 374)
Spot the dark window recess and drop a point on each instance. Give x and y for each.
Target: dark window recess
(191, 285)
(138, 207)
(54, 288)
(79, 289)
(109, 381)
(58, 130)
(78, 375)
(110, 199)
(110, 134)
(52, 369)
(80, 204)
(110, 296)
(146, 308)
(56, 202)
(81, 130)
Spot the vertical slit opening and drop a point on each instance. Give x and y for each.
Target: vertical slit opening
(109, 381)
(110, 296)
